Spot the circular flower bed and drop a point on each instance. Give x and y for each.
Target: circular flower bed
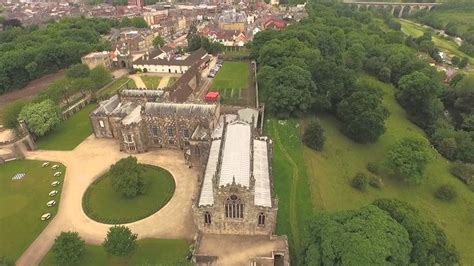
(103, 204)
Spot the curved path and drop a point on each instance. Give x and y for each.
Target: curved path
(87, 162)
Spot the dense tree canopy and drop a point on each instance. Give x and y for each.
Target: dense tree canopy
(120, 241)
(158, 42)
(29, 53)
(363, 115)
(68, 248)
(127, 177)
(40, 117)
(408, 158)
(430, 244)
(368, 236)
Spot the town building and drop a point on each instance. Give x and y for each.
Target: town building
(95, 59)
(165, 60)
(232, 20)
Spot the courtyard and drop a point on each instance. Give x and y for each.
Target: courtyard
(89, 161)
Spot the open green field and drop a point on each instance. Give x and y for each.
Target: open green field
(415, 30)
(69, 133)
(232, 81)
(232, 75)
(171, 81)
(151, 82)
(329, 172)
(22, 202)
(114, 86)
(148, 252)
(103, 204)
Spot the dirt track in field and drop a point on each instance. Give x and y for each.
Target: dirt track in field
(30, 90)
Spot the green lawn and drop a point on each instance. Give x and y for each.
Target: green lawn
(69, 133)
(22, 202)
(114, 86)
(171, 81)
(232, 75)
(291, 182)
(149, 252)
(151, 82)
(103, 204)
(412, 29)
(329, 173)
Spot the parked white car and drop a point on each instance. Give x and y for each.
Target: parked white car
(45, 164)
(51, 203)
(53, 193)
(45, 216)
(54, 167)
(55, 183)
(59, 173)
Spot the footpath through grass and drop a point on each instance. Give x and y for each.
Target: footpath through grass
(69, 133)
(330, 172)
(291, 182)
(148, 252)
(22, 202)
(103, 204)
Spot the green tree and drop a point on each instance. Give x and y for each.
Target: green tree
(288, 91)
(77, 71)
(11, 113)
(356, 238)
(446, 192)
(418, 95)
(40, 117)
(363, 115)
(408, 158)
(158, 42)
(120, 241)
(463, 63)
(313, 135)
(430, 243)
(68, 248)
(127, 177)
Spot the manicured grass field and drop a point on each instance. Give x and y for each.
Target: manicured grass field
(112, 88)
(232, 75)
(412, 29)
(22, 202)
(69, 133)
(329, 172)
(148, 252)
(151, 82)
(103, 204)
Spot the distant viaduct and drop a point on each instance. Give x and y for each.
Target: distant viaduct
(392, 5)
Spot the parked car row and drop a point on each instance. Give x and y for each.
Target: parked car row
(215, 69)
(53, 192)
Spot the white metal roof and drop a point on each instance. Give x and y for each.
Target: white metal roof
(236, 157)
(261, 174)
(207, 197)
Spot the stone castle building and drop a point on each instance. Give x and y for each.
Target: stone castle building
(235, 195)
(236, 182)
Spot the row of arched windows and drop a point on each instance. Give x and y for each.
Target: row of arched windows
(261, 219)
(234, 209)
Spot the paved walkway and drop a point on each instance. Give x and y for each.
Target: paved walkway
(138, 81)
(164, 82)
(87, 162)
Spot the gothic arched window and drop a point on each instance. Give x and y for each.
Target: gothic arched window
(234, 207)
(207, 218)
(261, 219)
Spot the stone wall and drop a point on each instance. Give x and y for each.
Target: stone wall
(248, 225)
